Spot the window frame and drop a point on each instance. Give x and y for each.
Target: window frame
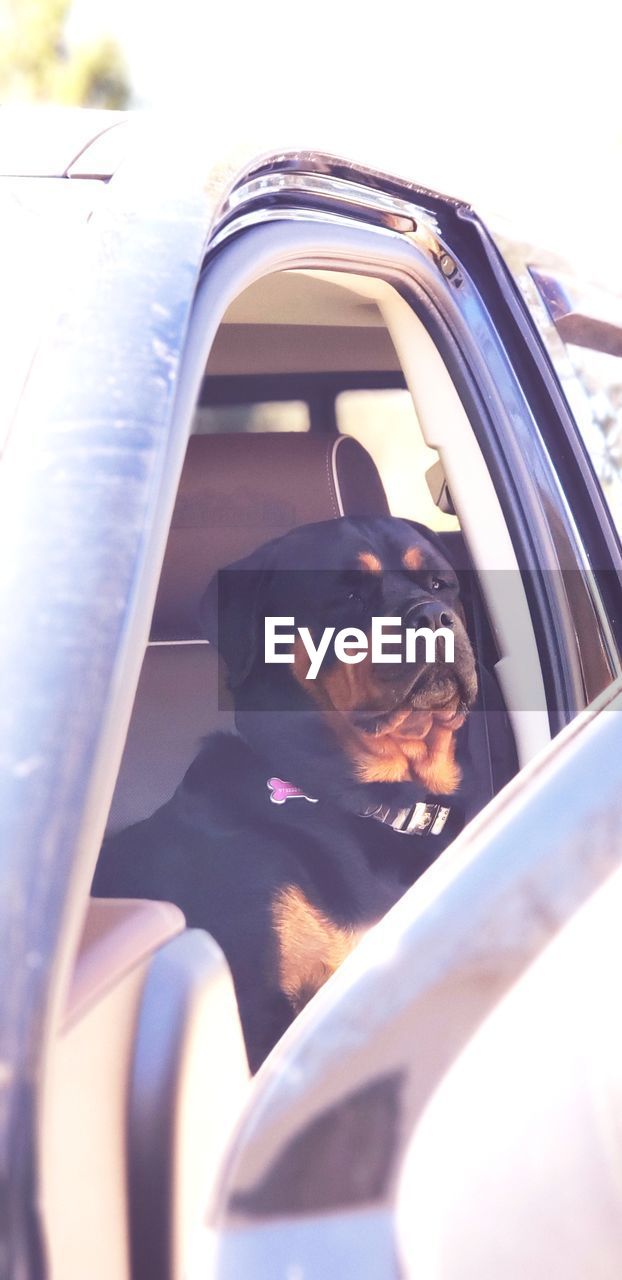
(462, 329)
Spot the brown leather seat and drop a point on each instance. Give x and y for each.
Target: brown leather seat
(236, 492)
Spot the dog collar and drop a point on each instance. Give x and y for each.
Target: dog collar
(419, 819)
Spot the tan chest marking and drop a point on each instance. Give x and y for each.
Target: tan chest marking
(311, 946)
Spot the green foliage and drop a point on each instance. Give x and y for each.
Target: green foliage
(38, 65)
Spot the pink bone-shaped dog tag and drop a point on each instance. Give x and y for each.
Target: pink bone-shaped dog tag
(282, 791)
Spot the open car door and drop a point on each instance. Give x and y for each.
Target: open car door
(447, 1105)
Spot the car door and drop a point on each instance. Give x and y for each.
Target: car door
(344, 1160)
(566, 547)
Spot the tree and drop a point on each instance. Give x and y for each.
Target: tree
(37, 64)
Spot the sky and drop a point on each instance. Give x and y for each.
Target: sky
(516, 108)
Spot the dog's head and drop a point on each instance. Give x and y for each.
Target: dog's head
(393, 705)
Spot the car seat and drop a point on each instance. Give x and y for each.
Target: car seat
(236, 492)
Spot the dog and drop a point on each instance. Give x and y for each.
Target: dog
(290, 839)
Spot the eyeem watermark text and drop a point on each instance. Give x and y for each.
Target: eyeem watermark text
(388, 643)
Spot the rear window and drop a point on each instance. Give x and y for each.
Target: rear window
(267, 415)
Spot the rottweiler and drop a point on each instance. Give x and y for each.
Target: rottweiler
(290, 838)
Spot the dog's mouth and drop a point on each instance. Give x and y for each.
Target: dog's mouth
(446, 696)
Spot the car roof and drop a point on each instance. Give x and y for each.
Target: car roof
(46, 141)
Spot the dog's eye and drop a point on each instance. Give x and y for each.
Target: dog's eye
(354, 597)
(437, 583)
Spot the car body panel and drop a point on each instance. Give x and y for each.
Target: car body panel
(44, 226)
(37, 143)
(88, 466)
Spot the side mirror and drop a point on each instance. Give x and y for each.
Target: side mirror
(587, 317)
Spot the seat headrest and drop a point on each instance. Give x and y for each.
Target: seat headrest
(238, 491)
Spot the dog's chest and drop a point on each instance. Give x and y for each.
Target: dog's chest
(357, 871)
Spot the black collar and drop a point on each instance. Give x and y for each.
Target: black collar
(421, 819)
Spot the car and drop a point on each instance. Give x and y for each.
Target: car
(197, 358)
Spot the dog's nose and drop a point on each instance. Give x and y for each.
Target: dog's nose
(430, 614)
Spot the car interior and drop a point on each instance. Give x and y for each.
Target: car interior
(324, 395)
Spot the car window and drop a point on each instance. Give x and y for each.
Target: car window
(267, 415)
(580, 326)
(599, 417)
(385, 422)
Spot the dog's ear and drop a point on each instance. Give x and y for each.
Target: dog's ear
(231, 611)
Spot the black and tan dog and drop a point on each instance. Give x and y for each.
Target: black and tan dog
(289, 840)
